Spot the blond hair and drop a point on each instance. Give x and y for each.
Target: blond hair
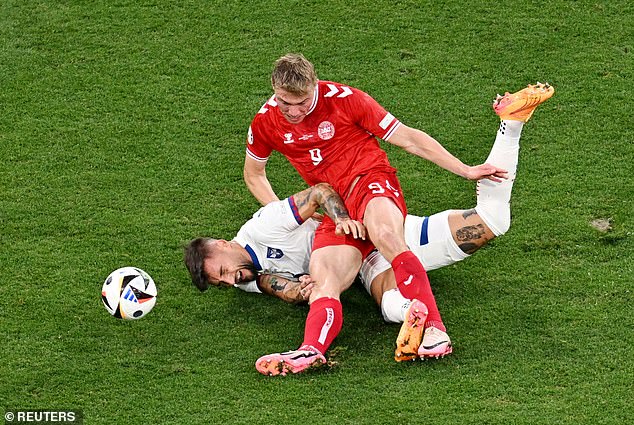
(294, 73)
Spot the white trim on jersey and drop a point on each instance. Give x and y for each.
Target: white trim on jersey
(386, 121)
(270, 102)
(255, 157)
(315, 97)
(391, 131)
(333, 90)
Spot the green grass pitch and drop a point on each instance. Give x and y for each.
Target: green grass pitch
(122, 136)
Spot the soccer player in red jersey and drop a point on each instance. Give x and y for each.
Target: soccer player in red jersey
(328, 131)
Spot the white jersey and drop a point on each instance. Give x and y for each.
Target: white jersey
(278, 241)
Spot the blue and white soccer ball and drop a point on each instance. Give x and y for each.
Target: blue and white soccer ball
(129, 293)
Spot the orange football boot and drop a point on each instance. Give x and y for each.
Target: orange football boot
(411, 333)
(520, 106)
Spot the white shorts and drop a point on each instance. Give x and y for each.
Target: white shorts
(430, 240)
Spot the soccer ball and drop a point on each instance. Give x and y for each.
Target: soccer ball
(128, 293)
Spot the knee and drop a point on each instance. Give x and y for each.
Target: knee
(496, 215)
(382, 235)
(329, 286)
(504, 227)
(389, 246)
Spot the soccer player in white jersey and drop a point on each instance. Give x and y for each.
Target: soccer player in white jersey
(272, 248)
(437, 240)
(451, 236)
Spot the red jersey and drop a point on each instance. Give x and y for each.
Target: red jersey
(334, 143)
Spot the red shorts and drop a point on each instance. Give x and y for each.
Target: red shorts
(374, 185)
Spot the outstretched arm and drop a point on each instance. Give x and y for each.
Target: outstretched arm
(289, 290)
(323, 196)
(257, 182)
(421, 144)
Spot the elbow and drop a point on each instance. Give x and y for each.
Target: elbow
(319, 193)
(323, 187)
(246, 174)
(249, 177)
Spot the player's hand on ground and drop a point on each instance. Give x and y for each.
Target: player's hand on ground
(488, 172)
(348, 226)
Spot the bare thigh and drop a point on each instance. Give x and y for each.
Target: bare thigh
(333, 268)
(384, 222)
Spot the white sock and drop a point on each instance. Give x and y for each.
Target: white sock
(494, 198)
(394, 306)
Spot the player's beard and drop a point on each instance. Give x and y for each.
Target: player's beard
(248, 272)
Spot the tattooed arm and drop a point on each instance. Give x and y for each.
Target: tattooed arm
(323, 196)
(289, 290)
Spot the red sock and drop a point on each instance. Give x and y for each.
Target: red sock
(412, 281)
(324, 321)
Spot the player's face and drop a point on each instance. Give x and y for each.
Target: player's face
(227, 266)
(292, 106)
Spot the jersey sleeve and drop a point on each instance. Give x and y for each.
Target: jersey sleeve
(371, 116)
(272, 222)
(257, 146)
(248, 287)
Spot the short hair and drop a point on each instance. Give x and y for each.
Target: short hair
(294, 73)
(195, 254)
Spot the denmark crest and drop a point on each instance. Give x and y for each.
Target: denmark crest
(326, 130)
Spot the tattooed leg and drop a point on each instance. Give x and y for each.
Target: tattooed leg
(469, 230)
